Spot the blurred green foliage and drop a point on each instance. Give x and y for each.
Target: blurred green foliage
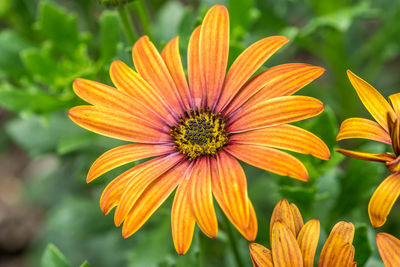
(45, 45)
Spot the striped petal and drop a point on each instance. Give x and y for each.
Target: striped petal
(283, 213)
(201, 197)
(260, 255)
(248, 62)
(373, 101)
(284, 247)
(117, 125)
(395, 102)
(135, 187)
(214, 51)
(383, 199)
(172, 59)
(193, 67)
(389, 248)
(380, 157)
(308, 241)
(125, 154)
(182, 218)
(269, 159)
(338, 250)
(279, 110)
(152, 198)
(281, 80)
(286, 137)
(229, 186)
(130, 82)
(363, 128)
(150, 65)
(394, 130)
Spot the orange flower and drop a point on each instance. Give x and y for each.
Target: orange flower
(195, 130)
(387, 131)
(294, 243)
(388, 247)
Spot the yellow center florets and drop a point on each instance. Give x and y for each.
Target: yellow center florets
(201, 133)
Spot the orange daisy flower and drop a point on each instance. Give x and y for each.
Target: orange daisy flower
(294, 243)
(195, 130)
(388, 247)
(385, 130)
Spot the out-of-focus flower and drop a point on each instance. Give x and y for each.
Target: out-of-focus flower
(197, 130)
(294, 243)
(389, 249)
(385, 130)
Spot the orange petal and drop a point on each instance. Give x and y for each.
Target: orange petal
(383, 157)
(172, 59)
(269, 159)
(281, 80)
(284, 247)
(150, 65)
(395, 102)
(286, 137)
(275, 111)
(283, 213)
(230, 188)
(298, 219)
(383, 199)
(214, 51)
(338, 250)
(389, 248)
(135, 187)
(193, 68)
(125, 154)
(373, 101)
(248, 62)
(182, 218)
(152, 198)
(128, 81)
(394, 130)
(308, 241)
(117, 125)
(363, 128)
(201, 198)
(260, 255)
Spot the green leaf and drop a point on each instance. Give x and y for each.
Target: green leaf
(362, 246)
(110, 35)
(11, 44)
(53, 257)
(85, 264)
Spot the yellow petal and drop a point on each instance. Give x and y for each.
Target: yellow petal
(382, 157)
(389, 248)
(395, 102)
(363, 128)
(308, 241)
(260, 255)
(283, 213)
(298, 219)
(284, 247)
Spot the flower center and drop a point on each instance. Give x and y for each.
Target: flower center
(201, 133)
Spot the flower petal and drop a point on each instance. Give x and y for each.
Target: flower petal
(283, 213)
(260, 255)
(125, 154)
(117, 125)
(308, 241)
(214, 51)
(274, 111)
(172, 59)
(229, 186)
(394, 130)
(389, 248)
(395, 102)
(281, 80)
(269, 159)
(363, 128)
(135, 187)
(383, 199)
(248, 62)
(284, 247)
(298, 219)
(182, 218)
(128, 81)
(201, 197)
(193, 68)
(373, 101)
(150, 65)
(286, 137)
(152, 198)
(338, 250)
(382, 157)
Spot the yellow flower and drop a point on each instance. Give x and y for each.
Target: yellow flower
(294, 243)
(389, 249)
(386, 130)
(197, 128)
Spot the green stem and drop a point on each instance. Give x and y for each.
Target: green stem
(127, 24)
(143, 16)
(233, 242)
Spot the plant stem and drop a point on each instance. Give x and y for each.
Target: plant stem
(143, 16)
(127, 24)
(233, 242)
